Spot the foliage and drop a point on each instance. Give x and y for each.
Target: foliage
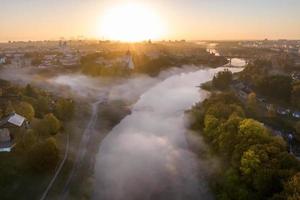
(64, 109)
(292, 187)
(222, 80)
(296, 95)
(44, 156)
(52, 124)
(256, 163)
(283, 85)
(252, 106)
(25, 109)
(28, 140)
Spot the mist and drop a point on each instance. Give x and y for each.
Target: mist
(146, 156)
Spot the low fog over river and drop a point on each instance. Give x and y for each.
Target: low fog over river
(146, 155)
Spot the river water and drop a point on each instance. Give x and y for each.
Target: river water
(146, 155)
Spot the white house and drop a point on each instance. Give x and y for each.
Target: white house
(6, 141)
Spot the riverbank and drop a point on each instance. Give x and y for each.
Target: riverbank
(253, 162)
(148, 148)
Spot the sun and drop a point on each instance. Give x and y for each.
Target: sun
(131, 23)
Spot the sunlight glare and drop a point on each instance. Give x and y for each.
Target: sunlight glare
(131, 23)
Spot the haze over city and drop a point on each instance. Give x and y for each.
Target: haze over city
(191, 19)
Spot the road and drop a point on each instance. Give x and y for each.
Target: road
(44, 196)
(82, 149)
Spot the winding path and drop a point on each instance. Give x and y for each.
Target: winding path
(44, 196)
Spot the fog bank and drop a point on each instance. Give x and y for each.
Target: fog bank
(146, 155)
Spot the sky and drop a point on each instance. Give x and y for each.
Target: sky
(182, 19)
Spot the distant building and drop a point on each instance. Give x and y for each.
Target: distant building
(128, 59)
(70, 59)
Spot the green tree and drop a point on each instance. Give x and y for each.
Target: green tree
(44, 156)
(252, 106)
(52, 124)
(249, 162)
(283, 85)
(30, 91)
(9, 108)
(292, 188)
(297, 128)
(211, 124)
(222, 79)
(41, 106)
(250, 133)
(25, 109)
(27, 141)
(64, 109)
(296, 95)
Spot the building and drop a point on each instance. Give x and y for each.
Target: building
(13, 119)
(296, 115)
(2, 60)
(128, 60)
(7, 141)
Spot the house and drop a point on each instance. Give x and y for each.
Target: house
(13, 119)
(2, 60)
(6, 138)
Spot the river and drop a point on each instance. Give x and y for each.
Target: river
(235, 62)
(146, 155)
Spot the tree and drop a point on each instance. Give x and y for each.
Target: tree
(52, 123)
(231, 187)
(27, 141)
(9, 108)
(222, 80)
(296, 95)
(292, 188)
(211, 124)
(283, 85)
(41, 106)
(30, 91)
(227, 138)
(249, 162)
(25, 109)
(44, 156)
(64, 109)
(297, 128)
(250, 133)
(252, 106)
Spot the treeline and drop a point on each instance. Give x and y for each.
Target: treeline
(36, 147)
(143, 63)
(90, 67)
(255, 164)
(257, 74)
